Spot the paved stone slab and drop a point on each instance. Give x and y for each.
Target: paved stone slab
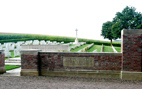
(18, 64)
(14, 72)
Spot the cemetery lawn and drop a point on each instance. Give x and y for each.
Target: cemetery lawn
(98, 47)
(118, 49)
(108, 49)
(79, 48)
(10, 67)
(72, 45)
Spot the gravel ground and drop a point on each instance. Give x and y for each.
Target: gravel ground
(42, 82)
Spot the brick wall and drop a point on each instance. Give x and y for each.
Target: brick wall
(2, 62)
(132, 50)
(102, 61)
(2, 58)
(29, 62)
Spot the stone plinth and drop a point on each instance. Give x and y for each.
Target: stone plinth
(29, 62)
(76, 41)
(2, 62)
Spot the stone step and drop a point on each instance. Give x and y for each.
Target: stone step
(17, 59)
(13, 64)
(12, 61)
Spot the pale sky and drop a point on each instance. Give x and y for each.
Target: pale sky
(61, 17)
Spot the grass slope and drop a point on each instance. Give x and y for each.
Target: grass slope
(79, 48)
(72, 45)
(118, 49)
(98, 47)
(10, 67)
(108, 49)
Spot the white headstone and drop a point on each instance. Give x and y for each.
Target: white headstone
(16, 52)
(7, 53)
(0, 47)
(12, 46)
(35, 42)
(42, 42)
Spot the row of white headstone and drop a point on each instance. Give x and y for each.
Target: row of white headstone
(16, 47)
(10, 46)
(42, 42)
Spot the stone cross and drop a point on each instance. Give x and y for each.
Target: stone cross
(76, 33)
(76, 40)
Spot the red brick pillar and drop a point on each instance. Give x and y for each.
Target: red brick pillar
(132, 49)
(29, 62)
(2, 62)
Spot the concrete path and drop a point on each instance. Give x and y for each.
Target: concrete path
(14, 72)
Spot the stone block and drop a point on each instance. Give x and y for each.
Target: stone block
(29, 72)
(130, 75)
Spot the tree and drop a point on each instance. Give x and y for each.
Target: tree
(106, 31)
(127, 19)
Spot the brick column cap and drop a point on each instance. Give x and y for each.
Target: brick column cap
(30, 51)
(131, 31)
(1, 51)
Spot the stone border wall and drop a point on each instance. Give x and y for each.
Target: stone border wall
(48, 48)
(2, 62)
(101, 61)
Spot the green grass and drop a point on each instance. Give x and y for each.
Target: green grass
(79, 48)
(108, 49)
(118, 49)
(98, 47)
(72, 45)
(10, 67)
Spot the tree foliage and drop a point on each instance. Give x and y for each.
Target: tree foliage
(127, 19)
(106, 30)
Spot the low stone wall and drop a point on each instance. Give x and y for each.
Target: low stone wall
(48, 48)
(105, 65)
(2, 62)
(80, 61)
(100, 65)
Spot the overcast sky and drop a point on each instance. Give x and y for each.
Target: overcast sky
(60, 17)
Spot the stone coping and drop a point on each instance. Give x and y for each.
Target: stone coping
(44, 45)
(79, 70)
(132, 31)
(23, 50)
(1, 51)
(84, 53)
